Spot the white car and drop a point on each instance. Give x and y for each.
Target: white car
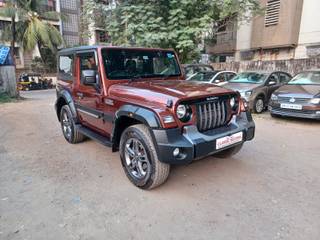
(215, 77)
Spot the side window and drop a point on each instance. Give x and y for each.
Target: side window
(230, 75)
(284, 78)
(273, 78)
(88, 65)
(66, 67)
(220, 78)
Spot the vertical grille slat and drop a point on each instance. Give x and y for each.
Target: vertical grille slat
(212, 115)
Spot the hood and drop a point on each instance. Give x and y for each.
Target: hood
(157, 92)
(241, 87)
(299, 91)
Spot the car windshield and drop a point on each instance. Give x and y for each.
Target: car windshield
(136, 63)
(203, 76)
(306, 78)
(249, 77)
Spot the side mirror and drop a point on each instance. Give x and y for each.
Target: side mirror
(89, 77)
(272, 82)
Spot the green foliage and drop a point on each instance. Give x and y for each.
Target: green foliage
(46, 64)
(5, 98)
(31, 29)
(177, 24)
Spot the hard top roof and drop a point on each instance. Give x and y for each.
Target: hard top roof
(86, 48)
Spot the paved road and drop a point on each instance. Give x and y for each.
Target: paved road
(50, 189)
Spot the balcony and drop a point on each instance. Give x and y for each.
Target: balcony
(222, 42)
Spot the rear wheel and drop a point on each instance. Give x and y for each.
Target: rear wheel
(259, 105)
(70, 133)
(139, 158)
(228, 152)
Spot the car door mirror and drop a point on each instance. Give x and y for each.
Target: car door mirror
(89, 77)
(272, 83)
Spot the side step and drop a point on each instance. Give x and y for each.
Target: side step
(93, 135)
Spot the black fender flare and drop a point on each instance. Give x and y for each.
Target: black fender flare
(141, 114)
(67, 97)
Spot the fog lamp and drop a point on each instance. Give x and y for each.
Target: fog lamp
(176, 152)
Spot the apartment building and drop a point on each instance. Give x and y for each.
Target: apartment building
(68, 28)
(287, 30)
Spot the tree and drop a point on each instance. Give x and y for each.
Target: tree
(29, 25)
(178, 24)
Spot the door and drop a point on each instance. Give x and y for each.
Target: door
(272, 84)
(88, 94)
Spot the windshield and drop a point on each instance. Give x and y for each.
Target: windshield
(135, 63)
(203, 76)
(249, 77)
(306, 78)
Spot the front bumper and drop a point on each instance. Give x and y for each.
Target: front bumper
(288, 113)
(308, 111)
(194, 144)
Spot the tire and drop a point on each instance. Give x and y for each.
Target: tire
(228, 152)
(143, 169)
(68, 128)
(258, 105)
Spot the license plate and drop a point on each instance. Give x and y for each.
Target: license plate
(291, 106)
(229, 140)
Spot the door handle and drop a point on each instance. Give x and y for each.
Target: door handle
(80, 95)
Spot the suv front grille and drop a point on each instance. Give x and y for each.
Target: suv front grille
(212, 115)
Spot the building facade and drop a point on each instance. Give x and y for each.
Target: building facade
(287, 30)
(69, 28)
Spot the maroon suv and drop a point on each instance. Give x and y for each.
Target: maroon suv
(137, 101)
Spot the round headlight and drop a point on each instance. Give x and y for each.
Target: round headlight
(181, 111)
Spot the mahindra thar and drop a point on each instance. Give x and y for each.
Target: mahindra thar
(137, 101)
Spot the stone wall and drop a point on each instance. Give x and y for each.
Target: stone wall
(292, 66)
(8, 82)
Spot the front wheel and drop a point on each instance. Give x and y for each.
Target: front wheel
(228, 152)
(69, 130)
(259, 105)
(139, 158)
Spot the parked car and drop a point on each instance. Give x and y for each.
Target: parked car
(299, 98)
(256, 87)
(216, 77)
(137, 101)
(190, 69)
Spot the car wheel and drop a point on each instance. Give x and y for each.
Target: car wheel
(70, 133)
(228, 152)
(259, 105)
(139, 158)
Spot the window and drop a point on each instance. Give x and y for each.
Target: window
(230, 75)
(284, 78)
(66, 68)
(273, 78)
(88, 63)
(272, 13)
(132, 63)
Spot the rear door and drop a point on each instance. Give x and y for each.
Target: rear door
(89, 97)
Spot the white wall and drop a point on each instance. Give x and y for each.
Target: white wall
(243, 38)
(309, 27)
